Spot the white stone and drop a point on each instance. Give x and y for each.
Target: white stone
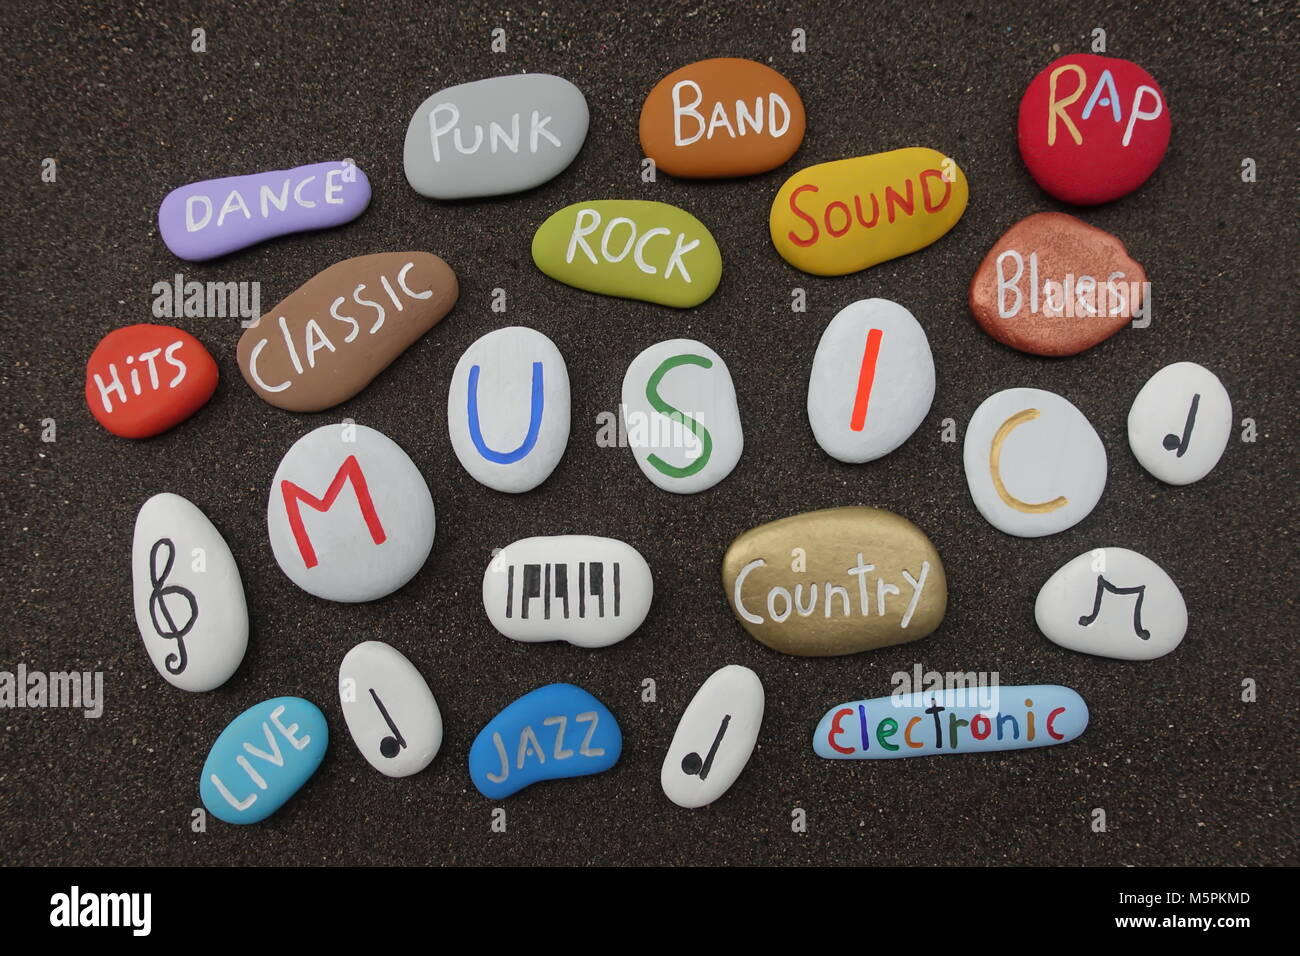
(1034, 464)
(500, 135)
(1180, 423)
(519, 427)
(714, 738)
(1112, 602)
(589, 591)
(679, 411)
(872, 381)
(189, 600)
(371, 536)
(389, 709)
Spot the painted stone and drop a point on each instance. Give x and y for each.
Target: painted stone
(263, 758)
(835, 581)
(142, 380)
(501, 135)
(389, 709)
(845, 216)
(188, 596)
(631, 248)
(354, 546)
(1180, 423)
(589, 591)
(679, 411)
(962, 721)
(872, 381)
(329, 338)
(508, 409)
(210, 218)
(555, 731)
(1034, 464)
(714, 738)
(721, 117)
(1112, 602)
(1092, 128)
(1054, 285)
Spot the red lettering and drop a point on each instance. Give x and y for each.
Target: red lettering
(794, 208)
(836, 730)
(875, 210)
(848, 219)
(1051, 717)
(925, 191)
(350, 470)
(892, 199)
(975, 724)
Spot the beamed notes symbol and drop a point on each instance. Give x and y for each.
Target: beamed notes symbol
(1102, 587)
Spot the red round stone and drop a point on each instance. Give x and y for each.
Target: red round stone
(1093, 128)
(144, 379)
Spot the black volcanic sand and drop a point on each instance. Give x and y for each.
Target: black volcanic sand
(1186, 772)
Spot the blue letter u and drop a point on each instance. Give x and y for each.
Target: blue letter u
(534, 420)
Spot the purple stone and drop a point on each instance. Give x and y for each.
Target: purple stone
(207, 219)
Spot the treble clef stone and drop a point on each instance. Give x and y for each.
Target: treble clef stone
(161, 590)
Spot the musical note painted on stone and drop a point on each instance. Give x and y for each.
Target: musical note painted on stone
(1102, 587)
(161, 590)
(393, 745)
(693, 765)
(1179, 445)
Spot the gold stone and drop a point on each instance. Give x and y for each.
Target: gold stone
(836, 581)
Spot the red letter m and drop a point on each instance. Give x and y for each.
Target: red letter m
(350, 470)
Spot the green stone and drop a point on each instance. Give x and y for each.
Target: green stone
(630, 248)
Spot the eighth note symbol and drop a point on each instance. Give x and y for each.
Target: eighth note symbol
(389, 746)
(1179, 445)
(691, 763)
(1102, 586)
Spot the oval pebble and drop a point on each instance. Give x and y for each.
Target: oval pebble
(1112, 602)
(263, 758)
(589, 591)
(349, 515)
(714, 738)
(1092, 128)
(495, 136)
(389, 709)
(214, 217)
(1180, 423)
(508, 409)
(143, 380)
(1054, 285)
(974, 720)
(631, 248)
(189, 599)
(553, 732)
(845, 216)
(680, 415)
(835, 581)
(721, 117)
(872, 381)
(330, 337)
(1034, 464)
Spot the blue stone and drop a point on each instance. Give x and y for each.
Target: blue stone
(555, 731)
(261, 759)
(971, 720)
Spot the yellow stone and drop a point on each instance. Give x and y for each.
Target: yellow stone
(834, 582)
(835, 218)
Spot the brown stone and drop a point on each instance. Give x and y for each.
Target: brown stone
(329, 338)
(716, 118)
(1054, 269)
(835, 582)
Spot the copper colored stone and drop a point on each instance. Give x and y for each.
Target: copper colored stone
(1054, 285)
(330, 337)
